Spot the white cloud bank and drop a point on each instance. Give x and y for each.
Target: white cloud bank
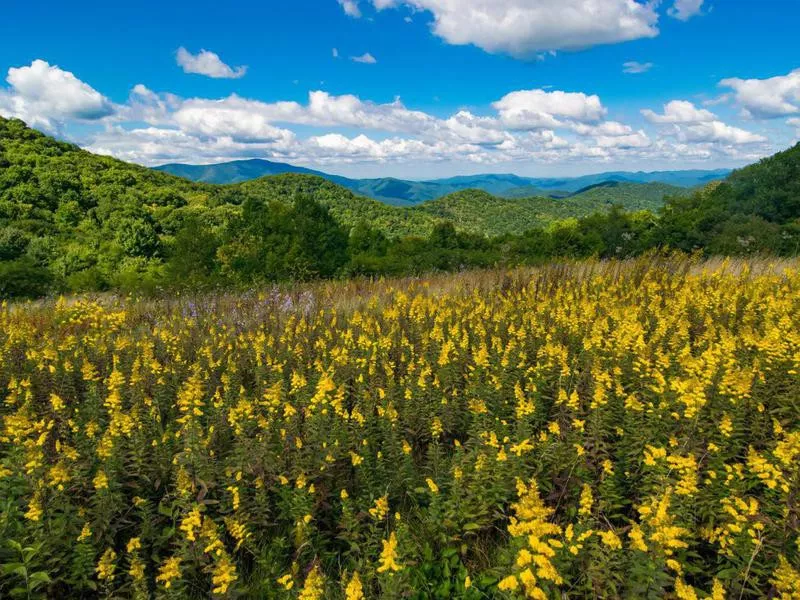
(207, 63)
(533, 125)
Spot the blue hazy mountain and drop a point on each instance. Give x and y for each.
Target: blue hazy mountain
(404, 192)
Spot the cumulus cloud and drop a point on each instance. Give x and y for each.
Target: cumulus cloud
(638, 139)
(540, 109)
(767, 98)
(42, 93)
(794, 123)
(335, 53)
(717, 131)
(692, 124)
(635, 68)
(146, 105)
(606, 128)
(523, 28)
(365, 58)
(679, 111)
(685, 9)
(207, 63)
(224, 120)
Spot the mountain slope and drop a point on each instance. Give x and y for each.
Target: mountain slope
(233, 172)
(345, 206)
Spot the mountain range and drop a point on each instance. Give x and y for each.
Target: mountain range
(401, 192)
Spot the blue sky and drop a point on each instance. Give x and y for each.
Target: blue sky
(440, 87)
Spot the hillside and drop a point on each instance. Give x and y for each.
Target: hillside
(472, 211)
(345, 206)
(71, 220)
(234, 171)
(633, 196)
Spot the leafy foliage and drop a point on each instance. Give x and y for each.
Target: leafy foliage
(622, 429)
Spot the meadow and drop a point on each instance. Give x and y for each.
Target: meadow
(579, 430)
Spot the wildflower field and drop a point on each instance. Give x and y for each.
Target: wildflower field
(584, 430)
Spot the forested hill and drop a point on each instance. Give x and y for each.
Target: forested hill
(73, 221)
(472, 211)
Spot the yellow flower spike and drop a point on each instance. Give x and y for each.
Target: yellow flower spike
(683, 591)
(610, 539)
(192, 523)
(106, 567)
(354, 589)
(586, 500)
(388, 558)
(169, 571)
(381, 508)
(223, 575)
(508, 584)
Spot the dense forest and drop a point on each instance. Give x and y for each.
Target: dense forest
(74, 221)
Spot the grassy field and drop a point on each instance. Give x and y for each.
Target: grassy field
(581, 430)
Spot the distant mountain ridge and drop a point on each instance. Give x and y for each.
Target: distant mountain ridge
(403, 192)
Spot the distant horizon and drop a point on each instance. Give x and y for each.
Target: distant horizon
(445, 177)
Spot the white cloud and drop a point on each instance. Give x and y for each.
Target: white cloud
(633, 140)
(679, 111)
(207, 63)
(634, 67)
(350, 110)
(147, 106)
(539, 109)
(365, 58)
(350, 8)
(717, 131)
(721, 99)
(606, 128)
(767, 98)
(522, 28)
(42, 93)
(228, 121)
(685, 9)
(466, 127)
(322, 110)
(697, 125)
(335, 53)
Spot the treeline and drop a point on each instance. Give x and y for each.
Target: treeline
(71, 221)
